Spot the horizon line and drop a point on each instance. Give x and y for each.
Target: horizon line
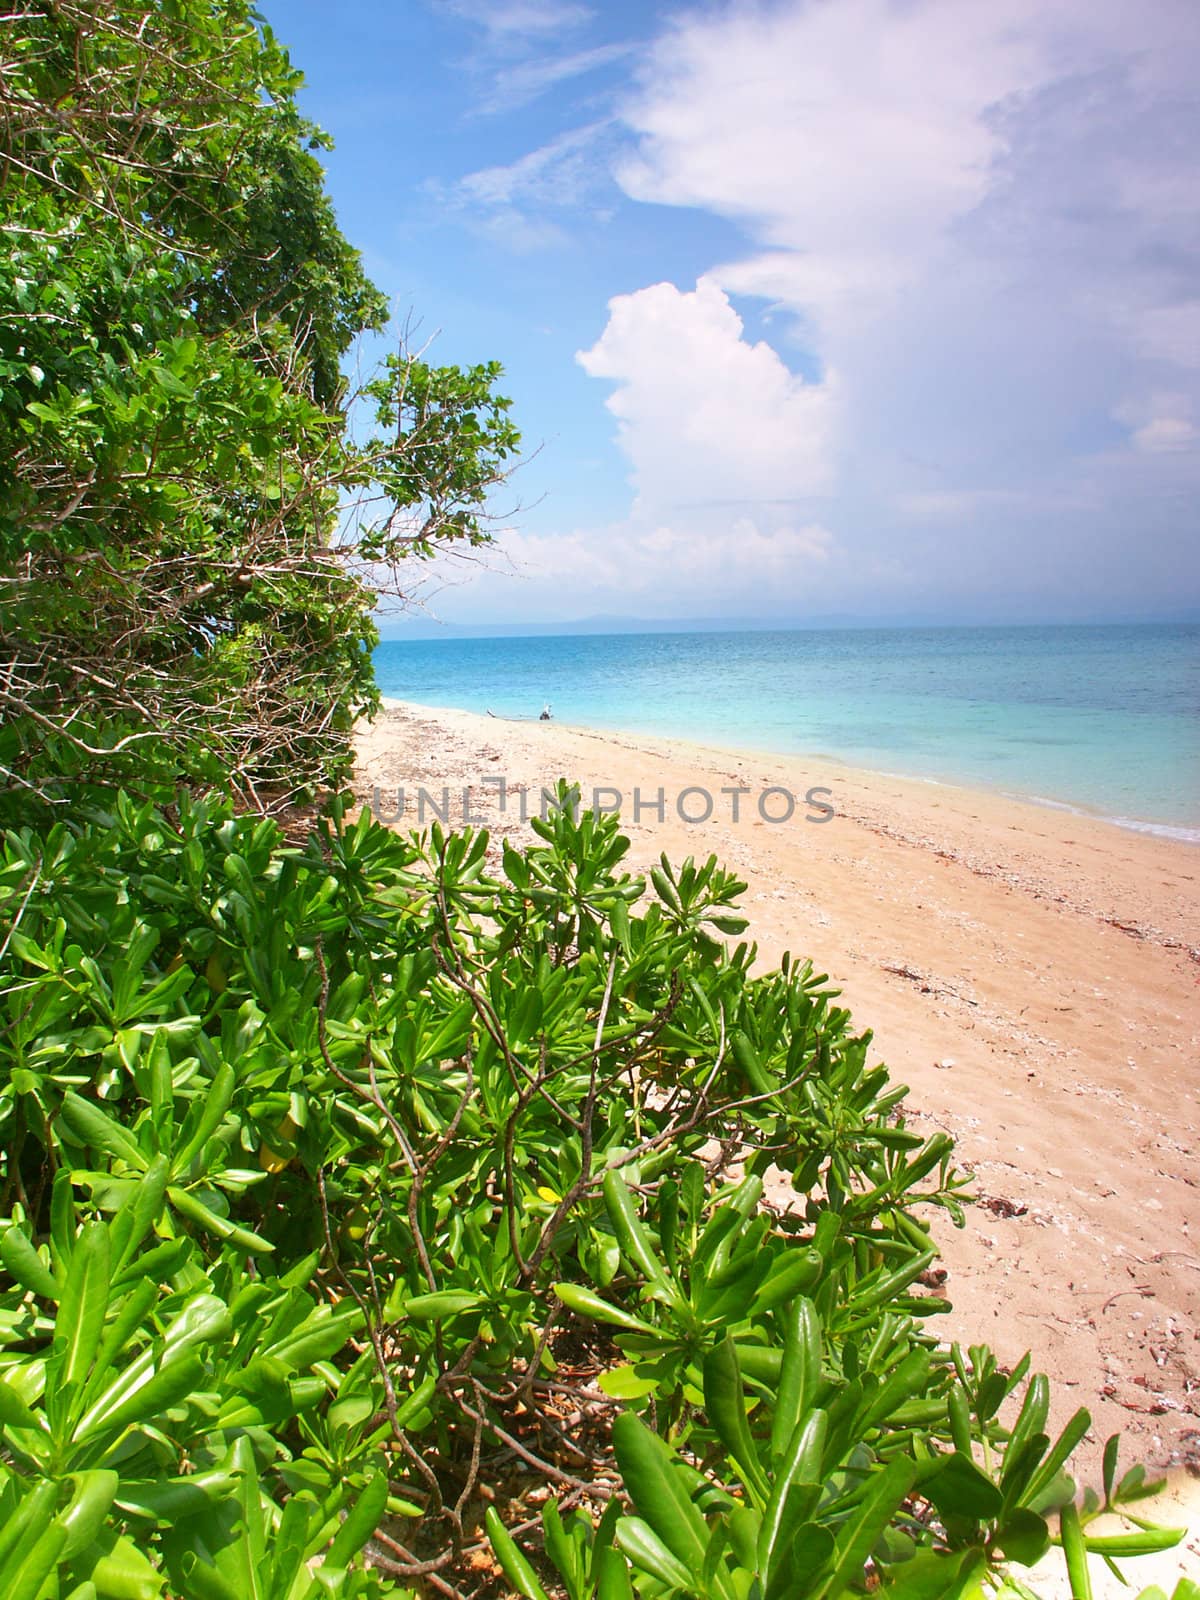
(424, 630)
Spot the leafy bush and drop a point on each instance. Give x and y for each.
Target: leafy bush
(336, 1171)
(142, 1416)
(191, 532)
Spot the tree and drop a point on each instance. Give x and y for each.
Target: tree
(191, 536)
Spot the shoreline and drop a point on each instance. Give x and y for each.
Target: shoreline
(1179, 833)
(1033, 976)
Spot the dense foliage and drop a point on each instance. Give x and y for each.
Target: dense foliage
(191, 535)
(337, 1173)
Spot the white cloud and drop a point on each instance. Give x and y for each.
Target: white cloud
(1166, 435)
(709, 421)
(848, 136)
(1159, 423)
(657, 569)
(978, 217)
(514, 19)
(976, 220)
(729, 454)
(525, 205)
(517, 85)
(554, 174)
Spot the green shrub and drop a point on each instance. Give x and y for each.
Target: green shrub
(329, 1164)
(192, 533)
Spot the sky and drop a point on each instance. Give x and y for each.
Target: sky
(873, 309)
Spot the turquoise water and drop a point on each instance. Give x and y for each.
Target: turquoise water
(1106, 719)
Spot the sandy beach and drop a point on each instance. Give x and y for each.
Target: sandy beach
(1033, 975)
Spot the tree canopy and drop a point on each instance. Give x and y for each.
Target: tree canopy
(184, 591)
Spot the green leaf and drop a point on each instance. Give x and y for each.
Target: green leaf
(1134, 1485)
(801, 1562)
(23, 1576)
(168, 1500)
(796, 1274)
(84, 1305)
(567, 1553)
(1023, 1536)
(658, 1490)
(513, 1563)
(360, 1523)
(1030, 1422)
(631, 1235)
(14, 1413)
(613, 1576)
(139, 1214)
(1067, 1440)
(588, 1304)
(725, 1402)
(1146, 1542)
(801, 1465)
(205, 1582)
(626, 1383)
(196, 1211)
(84, 1515)
(161, 1391)
(858, 1533)
(216, 1103)
(932, 1575)
(26, 1266)
(648, 1552)
(960, 1489)
(158, 1264)
(442, 1303)
(100, 1132)
(124, 1573)
(1111, 1448)
(1075, 1552)
(30, 1520)
(800, 1373)
(203, 1319)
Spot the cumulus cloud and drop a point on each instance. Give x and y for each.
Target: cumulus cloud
(729, 456)
(980, 218)
(973, 226)
(852, 137)
(1169, 334)
(1160, 424)
(847, 136)
(708, 419)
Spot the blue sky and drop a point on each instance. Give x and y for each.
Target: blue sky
(881, 308)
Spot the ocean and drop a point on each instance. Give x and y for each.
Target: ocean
(1102, 719)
